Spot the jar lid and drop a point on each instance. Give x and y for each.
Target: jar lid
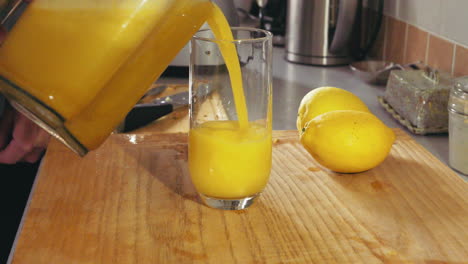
(461, 83)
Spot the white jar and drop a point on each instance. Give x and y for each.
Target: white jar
(458, 125)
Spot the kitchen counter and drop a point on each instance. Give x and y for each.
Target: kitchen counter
(132, 200)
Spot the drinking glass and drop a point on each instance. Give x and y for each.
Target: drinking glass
(230, 144)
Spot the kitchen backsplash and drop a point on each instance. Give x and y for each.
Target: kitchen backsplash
(425, 30)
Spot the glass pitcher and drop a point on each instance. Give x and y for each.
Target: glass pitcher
(77, 67)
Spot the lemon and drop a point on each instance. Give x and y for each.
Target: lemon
(324, 99)
(347, 141)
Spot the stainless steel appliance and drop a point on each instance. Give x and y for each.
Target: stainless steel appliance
(325, 32)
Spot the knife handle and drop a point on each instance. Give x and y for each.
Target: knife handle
(141, 116)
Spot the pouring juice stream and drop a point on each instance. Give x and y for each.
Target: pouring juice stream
(222, 31)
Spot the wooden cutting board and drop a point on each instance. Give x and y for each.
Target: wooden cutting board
(132, 201)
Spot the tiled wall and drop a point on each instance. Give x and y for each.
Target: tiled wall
(410, 33)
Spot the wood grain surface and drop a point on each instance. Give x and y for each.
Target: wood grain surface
(132, 201)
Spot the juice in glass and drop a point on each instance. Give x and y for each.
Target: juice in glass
(230, 158)
(229, 162)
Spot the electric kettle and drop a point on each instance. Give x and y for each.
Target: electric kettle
(326, 32)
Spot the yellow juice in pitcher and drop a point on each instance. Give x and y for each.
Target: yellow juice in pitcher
(150, 59)
(230, 159)
(90, 61)
(229, 162)
(67, 54)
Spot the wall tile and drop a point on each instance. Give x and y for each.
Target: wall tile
(440, 53)
(446, 18)
(461, 61)
(416, 44)
(431, 29)
(395, 40)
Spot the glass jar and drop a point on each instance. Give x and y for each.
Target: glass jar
(458, 125)
(77, 67)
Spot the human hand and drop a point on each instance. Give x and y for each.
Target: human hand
(21, 140)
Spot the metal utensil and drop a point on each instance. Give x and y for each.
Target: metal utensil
(372, 71)
(145, 113)
(377, 71)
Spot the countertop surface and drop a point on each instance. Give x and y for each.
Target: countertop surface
(100, 212)
(132, 201)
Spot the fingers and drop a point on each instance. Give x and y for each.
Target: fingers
(13, 153)
(34, 155)
(27, 143)
(41, 139)
(25, 131)
(19, 145)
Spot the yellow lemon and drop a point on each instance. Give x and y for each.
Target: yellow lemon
(324, 99)
(347, 141)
